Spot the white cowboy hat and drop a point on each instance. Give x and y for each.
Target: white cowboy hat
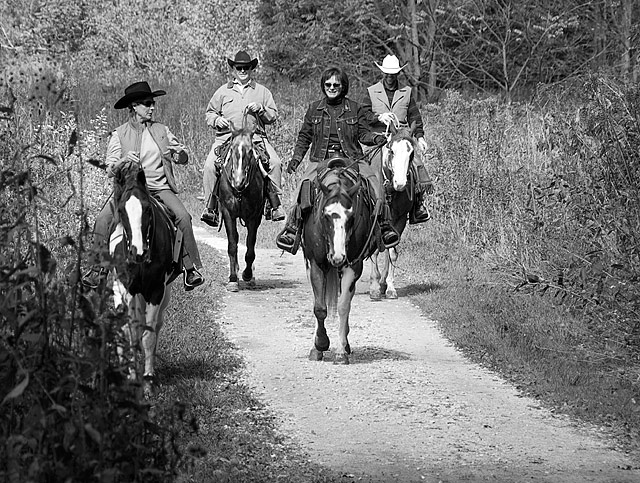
(390, 65)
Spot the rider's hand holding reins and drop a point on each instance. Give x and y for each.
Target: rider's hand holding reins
(387, 118)
(255, 107)
(222, 122)
(291, 167)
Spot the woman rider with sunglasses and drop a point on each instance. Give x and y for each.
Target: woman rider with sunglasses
(152, 145)
(335, 126)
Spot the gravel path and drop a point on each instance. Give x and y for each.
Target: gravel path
(409, 407)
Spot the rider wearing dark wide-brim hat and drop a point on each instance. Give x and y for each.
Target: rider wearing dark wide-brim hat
(150, 144)
(242, 103)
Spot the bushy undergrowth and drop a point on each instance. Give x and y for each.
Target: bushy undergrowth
(68, 411)
(549, 197)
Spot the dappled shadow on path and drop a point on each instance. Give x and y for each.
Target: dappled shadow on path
(369, 354)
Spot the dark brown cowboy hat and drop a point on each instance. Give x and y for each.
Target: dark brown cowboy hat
(242, 58)
(135, 92)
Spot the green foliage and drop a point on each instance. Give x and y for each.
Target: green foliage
(68, 410)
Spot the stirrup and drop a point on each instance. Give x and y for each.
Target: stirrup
(287, 240)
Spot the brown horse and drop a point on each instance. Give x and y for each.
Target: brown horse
(399, 188)
(337, 237)
(242, 197)
(141, 246)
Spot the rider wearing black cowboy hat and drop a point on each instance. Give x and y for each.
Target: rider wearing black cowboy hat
(154, 147)
(241, 102)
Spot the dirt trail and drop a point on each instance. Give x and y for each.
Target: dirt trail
(409, 407)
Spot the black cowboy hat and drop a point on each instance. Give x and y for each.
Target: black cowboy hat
(242, 58)
(139, 90)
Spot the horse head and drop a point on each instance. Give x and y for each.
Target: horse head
(397, 155)
(133, 206)
(240, 158)
(337, 210)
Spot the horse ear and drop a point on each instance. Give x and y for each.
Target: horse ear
(324, 188)
(354, 189)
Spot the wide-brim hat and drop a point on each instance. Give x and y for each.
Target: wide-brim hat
(390, 65)
(242, 58)
(135, 92)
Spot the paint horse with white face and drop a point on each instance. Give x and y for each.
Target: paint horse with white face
(141, 247)
(399, 187)
(242, 197)
(337, 237)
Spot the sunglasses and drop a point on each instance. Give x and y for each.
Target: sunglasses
(335, 85)
(147, 103)
(242, 67)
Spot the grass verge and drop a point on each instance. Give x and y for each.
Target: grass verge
(570, 360)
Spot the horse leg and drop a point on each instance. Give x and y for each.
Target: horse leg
(391, 270)
(350, 276)
(232, 251)
(153, 323)
(374, 276)
(320, 339)
(250, 256)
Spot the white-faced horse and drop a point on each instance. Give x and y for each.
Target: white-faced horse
(399, 188)
(142, 246)
(337, 237)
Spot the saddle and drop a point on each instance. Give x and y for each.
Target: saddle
(178, 249)
(327, 175)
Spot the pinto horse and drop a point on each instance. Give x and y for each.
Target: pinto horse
(141, 246)
(337, 237)
(242, 197)
(399, 187)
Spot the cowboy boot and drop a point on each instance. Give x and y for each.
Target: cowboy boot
(210, 215)
(420, 210)
(277, 212)
(390, 236)
(289, 238)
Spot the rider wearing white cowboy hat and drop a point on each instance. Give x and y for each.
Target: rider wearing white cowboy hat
(389, 103)
(229, 106)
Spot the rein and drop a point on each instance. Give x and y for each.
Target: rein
(248, 169)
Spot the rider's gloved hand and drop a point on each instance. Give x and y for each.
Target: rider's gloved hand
(422, 144)
(386, 118)
(292, 166)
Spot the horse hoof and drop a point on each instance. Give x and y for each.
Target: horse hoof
(375, 295)
(341, 359)
(315, 355)
(248, 278)
(232, 287)
(392, 294)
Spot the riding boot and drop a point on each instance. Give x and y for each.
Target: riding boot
(289, 238)
(277, 212)
(210, 215)
(419, 211)
(390, 236)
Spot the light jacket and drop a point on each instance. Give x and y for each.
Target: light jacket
(127, 137)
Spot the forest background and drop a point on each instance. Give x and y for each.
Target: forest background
(532, 117)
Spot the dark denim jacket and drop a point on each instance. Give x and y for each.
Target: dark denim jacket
(353, 129)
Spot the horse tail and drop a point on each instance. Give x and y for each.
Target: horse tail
(331, 292)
